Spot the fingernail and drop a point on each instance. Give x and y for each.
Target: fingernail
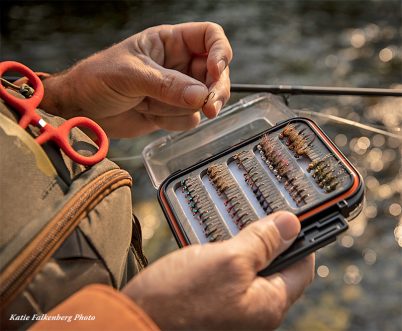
(221, 66)
(287, 225)
(217, 106)
(194, 95)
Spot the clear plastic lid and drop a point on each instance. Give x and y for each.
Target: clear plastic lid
(235, 123)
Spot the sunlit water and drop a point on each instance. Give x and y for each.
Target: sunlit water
(345, 43)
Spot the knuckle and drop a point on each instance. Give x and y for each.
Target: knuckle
(270, 247)
(233, 259)
(166, 85)
(231, 253)
(160, 28)
(278, 311)
(214, 26)
(266, 240)
(163, 27)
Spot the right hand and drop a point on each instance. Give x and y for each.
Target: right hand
(215, 286)
(156, 79)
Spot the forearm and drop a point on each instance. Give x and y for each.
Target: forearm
(75, 92)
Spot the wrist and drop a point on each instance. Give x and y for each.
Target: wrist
(141, 291)
(57, 98)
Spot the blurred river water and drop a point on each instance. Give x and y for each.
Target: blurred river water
(329, 43)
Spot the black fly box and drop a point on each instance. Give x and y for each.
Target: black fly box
(257, 158)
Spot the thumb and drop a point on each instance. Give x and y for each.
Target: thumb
(173, 87)
(262, 241)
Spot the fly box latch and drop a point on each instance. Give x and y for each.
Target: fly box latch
(312, 236)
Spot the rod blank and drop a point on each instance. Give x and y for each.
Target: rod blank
(315, 90)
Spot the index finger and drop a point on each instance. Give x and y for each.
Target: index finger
(208, 37)
(294, 279)
(276, 293)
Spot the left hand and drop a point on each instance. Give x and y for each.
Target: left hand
(158, 78)
(216, 287)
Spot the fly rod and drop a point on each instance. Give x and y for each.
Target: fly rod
(316, 90)
(307, 90)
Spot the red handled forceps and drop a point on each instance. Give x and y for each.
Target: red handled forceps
(59, 135)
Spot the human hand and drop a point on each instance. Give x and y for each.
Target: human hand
(216, 287)
(158, 78)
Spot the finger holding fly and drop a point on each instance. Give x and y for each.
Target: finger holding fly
(219, 94)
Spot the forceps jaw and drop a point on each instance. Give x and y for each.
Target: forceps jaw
(22, 104)
(26, 107)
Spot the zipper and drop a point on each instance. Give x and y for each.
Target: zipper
(22, 269)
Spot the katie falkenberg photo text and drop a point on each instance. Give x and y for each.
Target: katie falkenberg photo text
(46, 317)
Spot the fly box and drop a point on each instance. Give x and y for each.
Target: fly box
(254, 159)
